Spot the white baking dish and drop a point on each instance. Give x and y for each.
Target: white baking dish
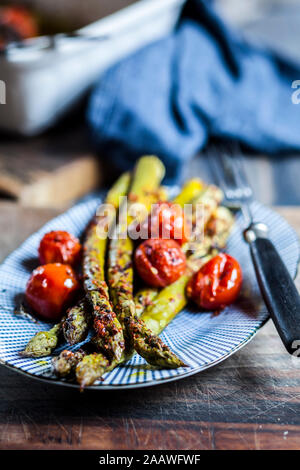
(42, 84)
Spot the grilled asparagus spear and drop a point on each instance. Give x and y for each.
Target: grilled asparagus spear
(91, 368)
(143, 298)
(107, 327)
(190, 190)
(65, 364)
(43, 343)
(109, 334)
(168, 303)
(147, 174)
(150, 346)
(77, 323)
(120, 278)
(118, 190)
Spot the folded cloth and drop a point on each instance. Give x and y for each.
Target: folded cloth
(202, 80)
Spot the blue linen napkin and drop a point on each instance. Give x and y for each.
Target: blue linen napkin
(202, 80)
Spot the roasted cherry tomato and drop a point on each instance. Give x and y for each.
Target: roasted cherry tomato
(16, 23)
(217, 283)
(159, 262)
(51, 289)
(166, 221)
(59, 247)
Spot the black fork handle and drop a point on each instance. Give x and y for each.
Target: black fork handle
(276, 285)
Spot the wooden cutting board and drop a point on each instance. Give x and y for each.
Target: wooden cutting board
(46, 173)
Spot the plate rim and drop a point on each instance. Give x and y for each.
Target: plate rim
(151, 383)
(162, 380)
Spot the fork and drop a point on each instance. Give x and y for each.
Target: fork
(276, 285)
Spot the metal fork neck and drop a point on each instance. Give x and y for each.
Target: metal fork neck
(254, 231)
(247, 214)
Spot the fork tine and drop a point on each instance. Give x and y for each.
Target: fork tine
(218, 169)
(229, 168)
(222, 168)
(238, 165)
(232, 179)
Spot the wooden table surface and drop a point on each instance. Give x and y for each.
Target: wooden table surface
(250, 401)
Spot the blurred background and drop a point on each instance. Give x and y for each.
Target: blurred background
(44, 140)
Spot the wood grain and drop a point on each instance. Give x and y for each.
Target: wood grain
(250, 401)
(48, 171)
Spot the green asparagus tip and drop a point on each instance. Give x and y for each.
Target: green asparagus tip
(41, 345)
(90, 369)
(65, 364)
(150, 346)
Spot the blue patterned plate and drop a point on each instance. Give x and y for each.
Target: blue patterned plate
(200, 339)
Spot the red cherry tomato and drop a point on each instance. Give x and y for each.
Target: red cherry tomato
(16, 23)
(166, 221)
(217, 283)
(59, 247)
(51, 289)
(159, 262)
